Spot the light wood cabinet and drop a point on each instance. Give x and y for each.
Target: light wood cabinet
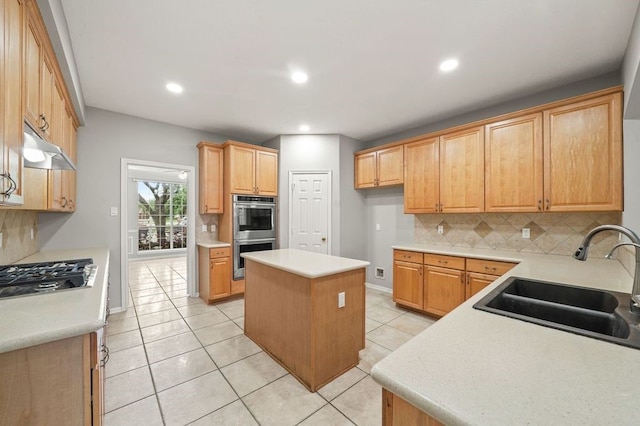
(250, 170)
(436, 283)
(12, 14)
(214, 273)
(398, 412)
(422, 176)
(583, 155)
(513, 165)
(462, 171)
(383, 167)
(53, 383)
(407, 269)
(210, 171)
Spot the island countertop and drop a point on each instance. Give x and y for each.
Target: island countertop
(474, 367)
(304, 263)
(36, 319)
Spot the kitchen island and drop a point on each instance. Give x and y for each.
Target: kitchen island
(306, 310)
(476, 368)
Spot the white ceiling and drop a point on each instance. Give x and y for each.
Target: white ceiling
(372, 64)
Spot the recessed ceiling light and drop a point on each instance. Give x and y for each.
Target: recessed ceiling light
(174, 88)
(304, 128)
(299, 77)
(449, 65)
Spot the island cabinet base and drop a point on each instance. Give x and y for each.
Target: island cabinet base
(297, 320)
(398, 412)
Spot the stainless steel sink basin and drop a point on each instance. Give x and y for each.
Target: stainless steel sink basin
(594, 313)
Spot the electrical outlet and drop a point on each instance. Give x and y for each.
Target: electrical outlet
(32, 234)
(204, 228)
(440, 229)
(1, 240)
(341, 299)
(526, 233)
(377, 226)
(213, 228)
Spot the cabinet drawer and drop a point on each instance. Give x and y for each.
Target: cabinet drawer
(452, 262)
(219, 252)
(488, 266)
(407, 256)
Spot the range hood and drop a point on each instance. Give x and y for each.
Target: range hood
(40, 154)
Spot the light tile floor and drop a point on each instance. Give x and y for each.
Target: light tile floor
(175, 360)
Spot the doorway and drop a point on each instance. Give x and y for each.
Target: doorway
(158, 217)
(310, 211)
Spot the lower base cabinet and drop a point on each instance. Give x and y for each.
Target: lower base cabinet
(437, 284)
(398, 412)
(57, 383)
(215, 274)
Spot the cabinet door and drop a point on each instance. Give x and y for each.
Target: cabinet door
(390, 166)
(266, 173)
(58, 200)
(407, 284)
(32, 73)
(71, 144)
(513, 165)
(47, 98)
(243, 170)
(462, 171)
(365, 170)
(421, 176)
(220, 278)
(11, 99)
(210, 175)
(476, 282)
(583, 155)
(444, 289)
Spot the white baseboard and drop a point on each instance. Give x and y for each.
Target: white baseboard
(378, 287)
(116, 309)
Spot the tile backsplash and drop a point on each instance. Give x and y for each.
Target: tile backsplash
(16, 226)
(207, 236)
(553, 233)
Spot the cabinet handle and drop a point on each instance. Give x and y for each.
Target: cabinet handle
(547, 200)
(436, 208)
(206, 208)
(440, 208)
(490, 269)
(420, 270)
(539, 205)
(462, 276)
(105, 358)
(64, 204)
(12, 185)
(444, 262)
(257, 190)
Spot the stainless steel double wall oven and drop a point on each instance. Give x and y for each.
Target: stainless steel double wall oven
(254, 228)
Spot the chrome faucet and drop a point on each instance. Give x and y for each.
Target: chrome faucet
(583, 250)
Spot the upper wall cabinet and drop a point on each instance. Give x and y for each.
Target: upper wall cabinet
(583, 155)
(462, 171)
(513, 165)
(422, 176)
(250, 169)
(379, 168)
(12, 14)
(210, 165)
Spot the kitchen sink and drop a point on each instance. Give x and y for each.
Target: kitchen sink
(589, 312)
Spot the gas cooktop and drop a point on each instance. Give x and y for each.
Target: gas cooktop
(45, 277)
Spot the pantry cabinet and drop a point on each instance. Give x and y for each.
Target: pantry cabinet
(513, 165)
(382, 167)
(210, 171)
(250, 170)
(215, 273)
(583, 155)
(12, 14)
(437, 284)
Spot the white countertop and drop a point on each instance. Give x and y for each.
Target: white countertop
(35, 319)
(474, 367)
(305, 263)
(213, 244)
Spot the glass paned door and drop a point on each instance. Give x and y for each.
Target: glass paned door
(162, 216)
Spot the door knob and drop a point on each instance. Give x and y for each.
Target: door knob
(324, 239)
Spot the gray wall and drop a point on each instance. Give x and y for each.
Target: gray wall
(562, 92)
(352, 231)
(106, 138)
(630, 66)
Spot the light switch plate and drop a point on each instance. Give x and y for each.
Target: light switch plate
(440, 229)
(377, 227)
(341, 299)
(114, 211)
(204, 228)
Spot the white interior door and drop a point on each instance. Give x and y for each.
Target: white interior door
(310, 211)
